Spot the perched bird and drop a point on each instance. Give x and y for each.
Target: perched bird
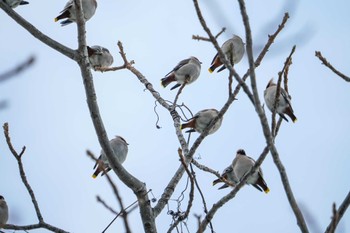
(284, 103)
(233, 49)
(242, 164)
(68, 12)
(4, 212)
(187, 70)
(15, 3)
(120, 149)
(228, 175)
(201, 120)
(99, 57)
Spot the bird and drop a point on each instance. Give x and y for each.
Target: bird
(201, 120)
(99, 57)
(233, 49)
(120, 149)
(284, 103)
(4, 212)
(242, 164)
(15, 3)
(229, 176)
(68, 12)
(187, 70)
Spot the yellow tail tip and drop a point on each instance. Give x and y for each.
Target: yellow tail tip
(181, 127)
(267, 190)
(295, 120)
(210, 70)
(56, 19)
(94, 176)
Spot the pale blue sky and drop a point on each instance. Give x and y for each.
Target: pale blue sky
(47, 112)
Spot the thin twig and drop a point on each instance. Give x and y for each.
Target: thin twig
(18, 69)
(338, 214)
(197, 37)
(99, 199)
(106, 69)
(18, 157)
(329, 65)
(286, 65)
(116, 193)
(191, 193)
(202, 197)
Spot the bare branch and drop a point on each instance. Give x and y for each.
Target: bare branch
(268, 136)
(338, 214)
(38, 34)
(329, 65)
(286, 65)
(191, 194)
(18, 157)
(18, 69)
(138, 187)
(99, 199)
(197, 37)
(116, 193)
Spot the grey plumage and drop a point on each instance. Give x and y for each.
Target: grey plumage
(284, 104)
(120, 149)
(201, 120)
(242, 164)
(233, 49)
(186, 70)
(4, 212)
(68, 12)
(15, 3)
(99, 57)
(229, 176)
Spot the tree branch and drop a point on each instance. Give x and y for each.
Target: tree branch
(18, 157)
(266, 130)
(38, 34)
(338, 214)
(18, 69)
(138, 187)
(329, 65)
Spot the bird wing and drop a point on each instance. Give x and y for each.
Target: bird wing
(286, 97)
(68, 5)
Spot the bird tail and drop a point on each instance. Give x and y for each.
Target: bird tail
(290, 113)
(64, 15)
(166, 81)
(190, 124)
(211, 69)
(222, 68)
(261, 182)
(24, 3)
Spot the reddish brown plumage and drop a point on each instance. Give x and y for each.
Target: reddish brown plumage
(168, 79)
(191, 124)
(215, 63)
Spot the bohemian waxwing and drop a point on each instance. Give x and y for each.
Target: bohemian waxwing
(242, 164)
(15, 3)
(99, 57)
(201, 120)
(233, 49)
(228, 175)
(284, 104)
(68, 12)
(4, 212)
(120, 149)
(187, 70)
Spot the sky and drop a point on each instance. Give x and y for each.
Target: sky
(47, 112)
